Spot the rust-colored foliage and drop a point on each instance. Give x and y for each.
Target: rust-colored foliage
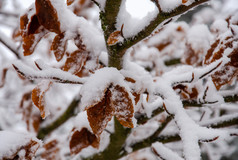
(29, 151)
(184, 1)
(4, 74)
(51, 150)
(116, 102)
(32, 119)
(230, 70)
(191, 56)
(38, 94)
(31, 32)
(187, 93)
(58, 46)
(47, 15)
(76, 61)
(114, 38)
(123, 105)
(82, 139)
(100, 114)
(69, 2)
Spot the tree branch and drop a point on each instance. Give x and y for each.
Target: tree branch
(9, 44)
(173, 138)
(161, 17)
(69, 112)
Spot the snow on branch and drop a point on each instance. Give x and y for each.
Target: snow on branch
(53, 74)
(164, 153)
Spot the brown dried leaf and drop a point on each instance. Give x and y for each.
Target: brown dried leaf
(114, 38)
(31, 32)
(4, 74)
(184, 1)
(76, 61)
(69, 2)
(191, 57)
(30, 42)
(100, 114)
(124, 108)
(38, 94)
(32, 119)
(29, 151)
(187, 93)
(58, 46)
(224, 76)
(51, 150)
(47, 15)
(82, 139)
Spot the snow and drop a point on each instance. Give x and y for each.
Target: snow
(93, 90)
(53, 74)
(11, 142)
(71, 24)
(164, 152)
(132, 25)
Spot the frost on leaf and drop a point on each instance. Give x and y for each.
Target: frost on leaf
(82, 139)
(123, 106)
(51, 150)
(116, 102)
(17, 146)
(100, 114)
(230, 70)
(38, 94)
(47, 15)
(76, 61)
(114, 38)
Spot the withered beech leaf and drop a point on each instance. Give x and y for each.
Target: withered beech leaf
(4, 73)
(38, 94)
(76, 61)
(224, 76)
(51, 150)
(47, 15)
(82, 139)
(29, 149)
(114, 38)
(123, 104)
(58, 46)
(31, 41)
(184, 1)
(31, 118)
(100, 114)
(31, 32)
(69, 2)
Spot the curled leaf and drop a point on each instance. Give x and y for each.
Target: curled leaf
(82, 139)
(31, 118)
(51, 150)
(38, 94)
(31, 31)
(58, 46)
(114, 38)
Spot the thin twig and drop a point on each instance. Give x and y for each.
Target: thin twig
(5, 41)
